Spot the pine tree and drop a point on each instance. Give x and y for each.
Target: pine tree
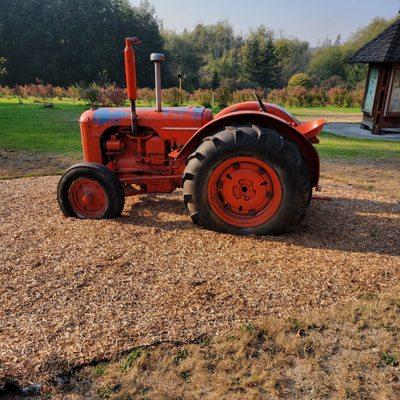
(259, 58)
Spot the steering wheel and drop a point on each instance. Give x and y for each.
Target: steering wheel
(260, 102)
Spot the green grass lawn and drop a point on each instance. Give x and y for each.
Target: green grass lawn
(32, 127)
(333, 146)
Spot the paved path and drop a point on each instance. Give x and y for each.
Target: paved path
(354, 131)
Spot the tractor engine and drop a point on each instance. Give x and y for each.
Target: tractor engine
(144, 154)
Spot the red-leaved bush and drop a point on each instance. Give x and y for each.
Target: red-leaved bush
(146, 95)
(174, 97)
(340, 97)
(203, 97)
(112, 95)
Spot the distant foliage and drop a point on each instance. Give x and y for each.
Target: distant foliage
(112, 95)
(223, 96)
(174, 97)
(240, 96)
(203, 97)
(92, 95)
(5, 91)
(146, 95)
(20, 92)
(59, 92)
(316, 97)
(331, 82)
(300, 79)
(340, 97)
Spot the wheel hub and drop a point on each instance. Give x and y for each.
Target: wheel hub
(88, 198)
(244, 191)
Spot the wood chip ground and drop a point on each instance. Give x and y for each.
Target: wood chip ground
(74, 291)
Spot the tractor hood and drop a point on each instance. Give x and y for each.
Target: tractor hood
(186, 120)
(195, 116)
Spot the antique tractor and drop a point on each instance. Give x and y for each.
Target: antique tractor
(249, 169)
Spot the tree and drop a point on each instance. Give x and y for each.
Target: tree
(3, 70)
(327, 62)
(293, 56)
(182, 58)
(259, 59)
(75, 40)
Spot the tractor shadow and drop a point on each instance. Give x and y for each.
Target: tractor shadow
(353, 225)
(165, 212)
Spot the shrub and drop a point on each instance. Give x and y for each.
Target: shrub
(223, 96)
(5, 91)
(91, 94)
(357, 96)
(297, 96)
(317, 97)
(174, 97)
(147, 95)
(277, 96)
(301, 79)
(240, 96)
(74, 92)
(340, 97)
(20, 92)
(333, 81)
(59, 92)
(45, 93)
(112, 95)
(203, 97)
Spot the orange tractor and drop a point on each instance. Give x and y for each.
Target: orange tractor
(249, 169)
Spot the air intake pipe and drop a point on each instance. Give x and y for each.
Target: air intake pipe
(157, 58)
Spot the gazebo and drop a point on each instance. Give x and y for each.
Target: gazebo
(381, 105)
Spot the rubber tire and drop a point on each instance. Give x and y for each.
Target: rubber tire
(106, 178)
(263, 143)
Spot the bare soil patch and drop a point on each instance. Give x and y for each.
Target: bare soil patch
(17, 163)
(74, 291)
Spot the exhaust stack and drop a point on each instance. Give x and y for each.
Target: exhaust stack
(157, 58)
(130, 76)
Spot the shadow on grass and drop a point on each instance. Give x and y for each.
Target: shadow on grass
(353, 225)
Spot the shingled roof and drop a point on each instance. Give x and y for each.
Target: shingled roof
(384, 48)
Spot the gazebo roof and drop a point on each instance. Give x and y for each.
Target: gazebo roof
(384, 48)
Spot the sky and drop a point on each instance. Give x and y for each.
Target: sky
(310, 20)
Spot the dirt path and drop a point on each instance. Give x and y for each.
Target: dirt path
(73, 291)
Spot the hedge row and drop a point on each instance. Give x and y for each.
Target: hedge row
(111, 95)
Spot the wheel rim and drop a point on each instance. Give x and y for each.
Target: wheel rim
(244, 191)
(87, 198)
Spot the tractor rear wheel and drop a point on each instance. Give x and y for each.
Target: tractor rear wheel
(247, 180)
(90, 191)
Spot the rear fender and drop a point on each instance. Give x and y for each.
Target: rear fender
(308, 151)
(255, 106)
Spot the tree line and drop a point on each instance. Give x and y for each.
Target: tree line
(81, 41)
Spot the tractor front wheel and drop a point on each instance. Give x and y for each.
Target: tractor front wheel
(90, 191)
(245, 180)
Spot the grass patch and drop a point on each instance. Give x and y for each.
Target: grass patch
(35, 128)
(333, 146)
(131, 359)
(351, 350)
(328, 110)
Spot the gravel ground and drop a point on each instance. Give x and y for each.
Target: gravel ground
(74, 291)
